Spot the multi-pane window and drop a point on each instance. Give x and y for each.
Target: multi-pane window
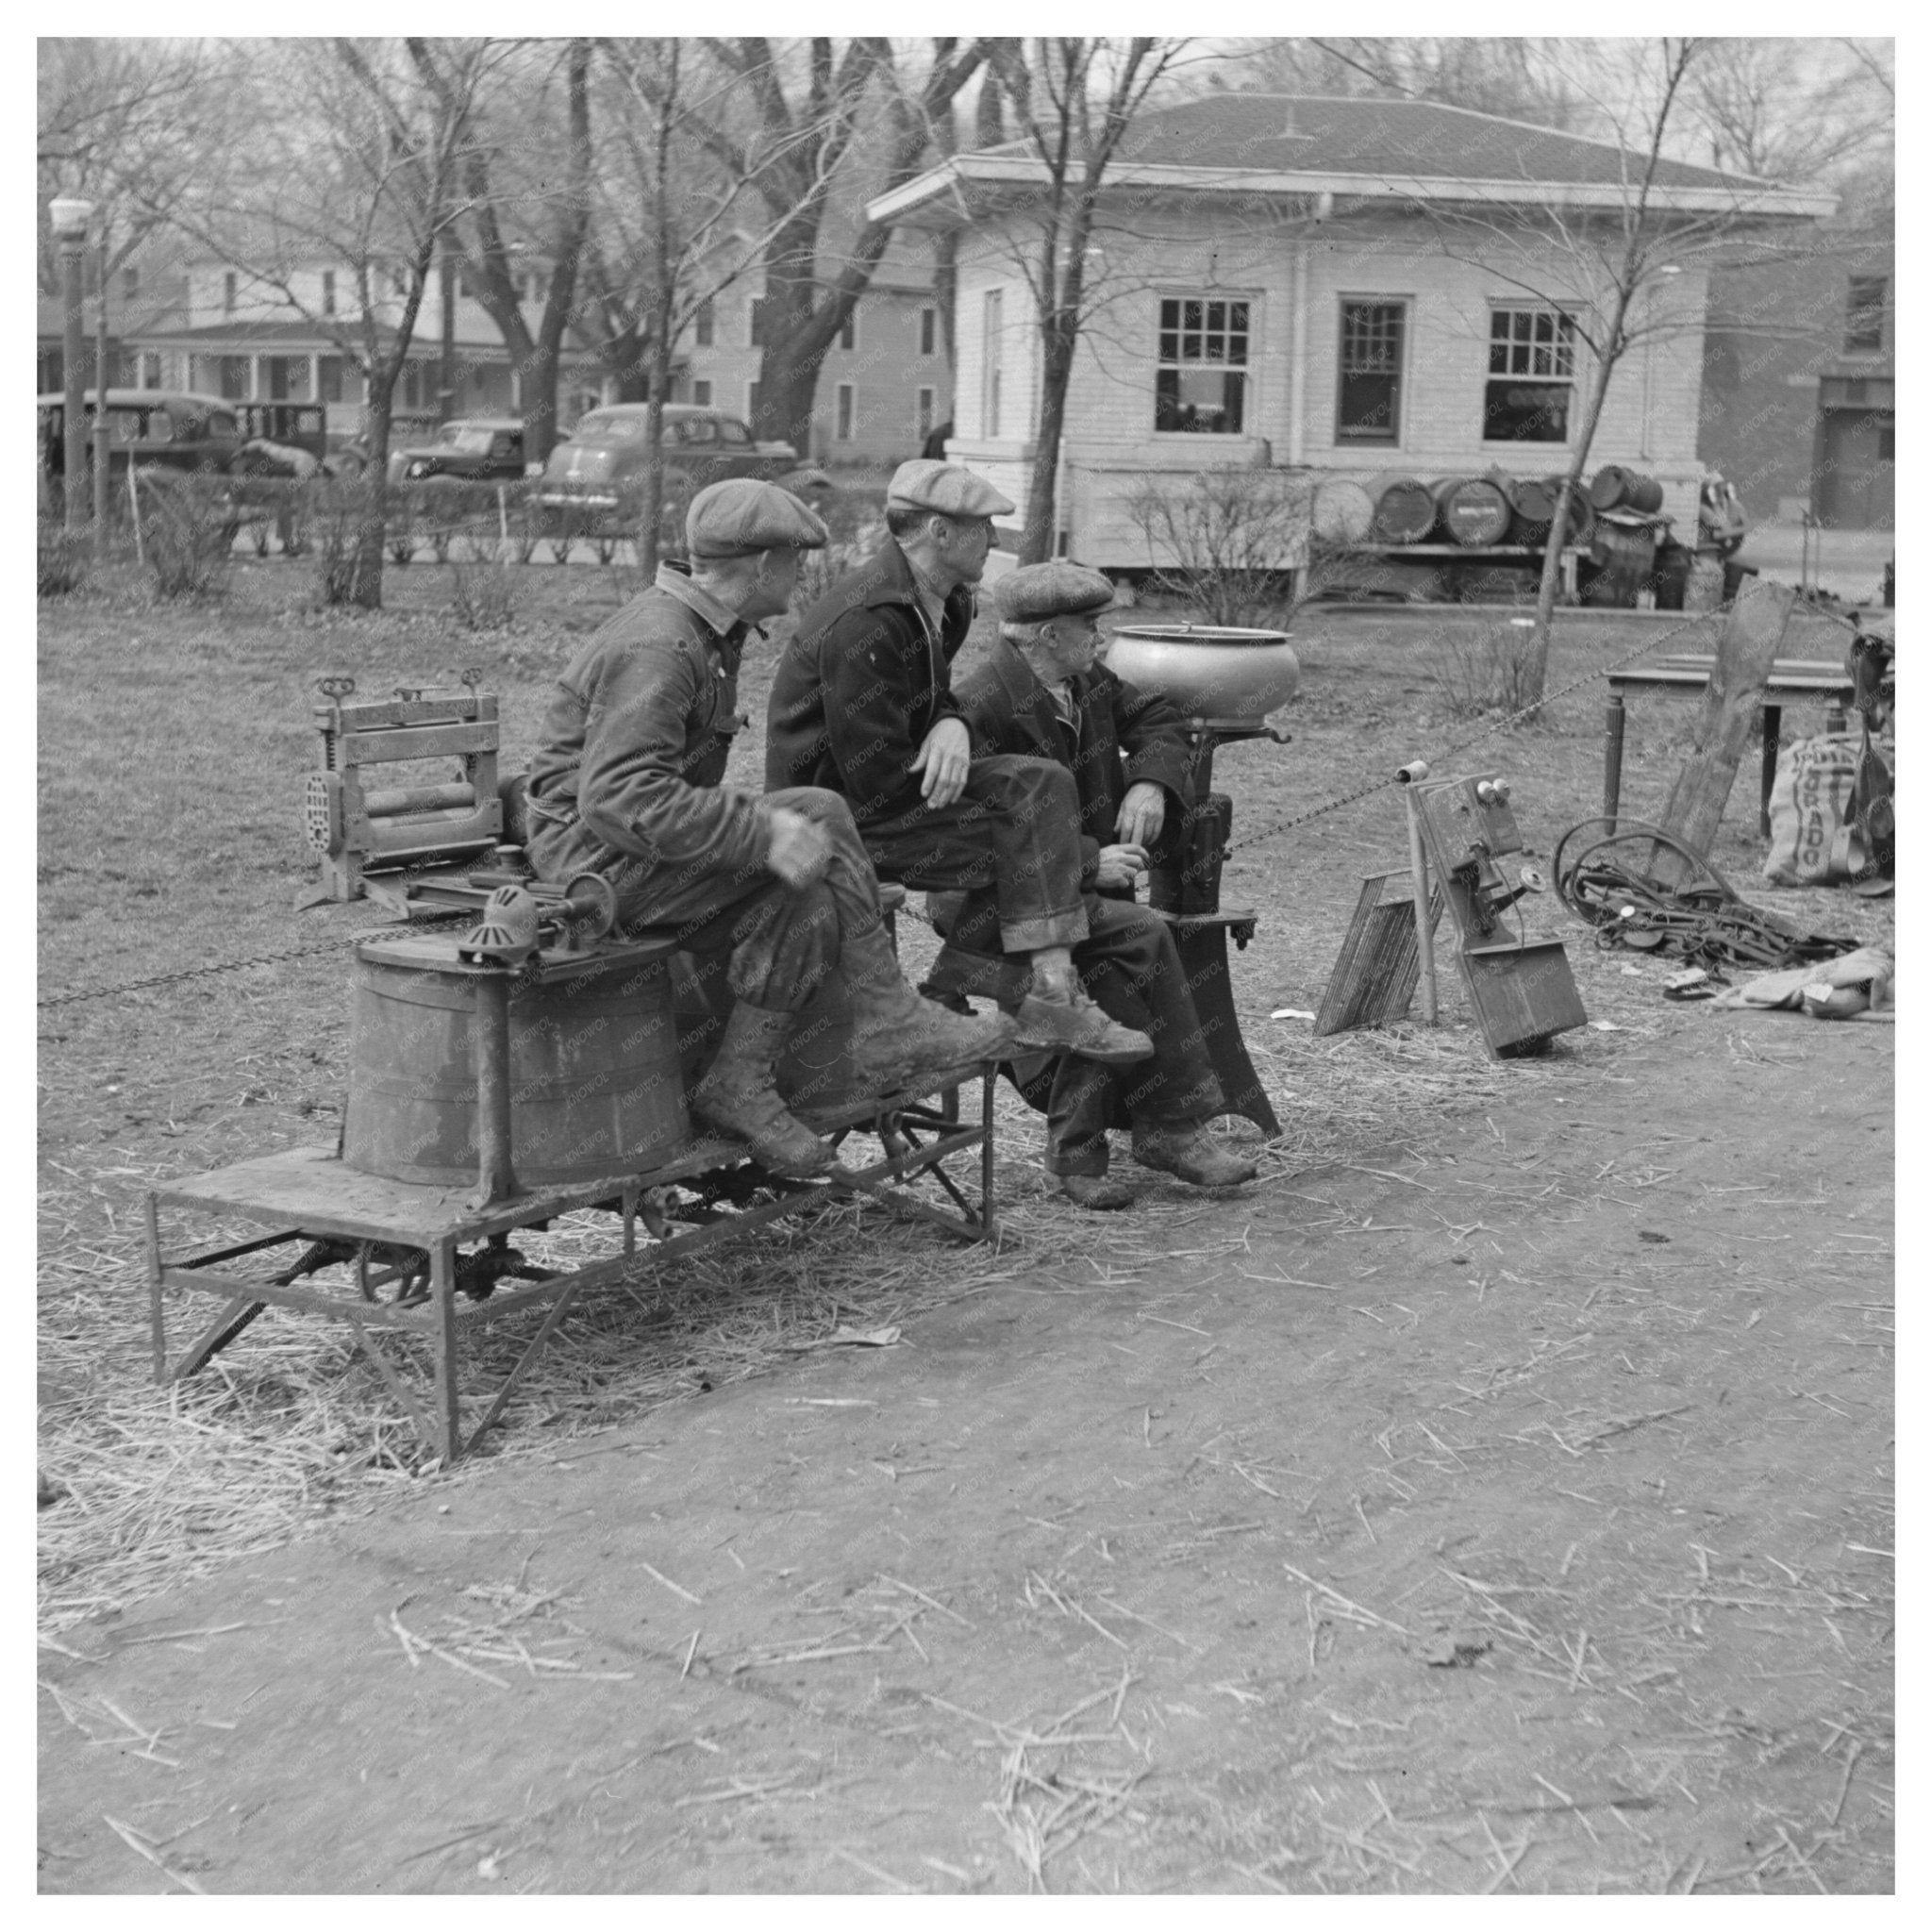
(228, 292)
(841, 430)
(1532, 374)
(329, 378)
(751, 403)
(701, 392)
(928, 330)
(921, 415)
(328, 292)
(991, 323)
(848, 331)
(704, 324)
(1201, 382)
(1367, 406)
(130, 283)
(1865, 315)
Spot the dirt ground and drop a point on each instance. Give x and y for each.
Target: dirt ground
(1496, 1495)
(1509, 1510)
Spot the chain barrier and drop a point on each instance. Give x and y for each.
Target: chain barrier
(1503, 724)
(315, 950)
(1272, 831)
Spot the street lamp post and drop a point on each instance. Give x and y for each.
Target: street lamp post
(101, 410)
(69, 217)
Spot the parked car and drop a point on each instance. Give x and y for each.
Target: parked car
(286, 426)
(593, 484)
(175, 428)
(473, 448)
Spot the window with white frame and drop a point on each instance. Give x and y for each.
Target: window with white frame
(751, 405)
(921, 415)
(328, 292)
(1368, 401)
(701, 392)
(928, 330)
(992, 325)
(843, 410)
(1200, 385)
(704, 324)
(1532, 375)
(228, 292)
(1865, 315)
(848, 331)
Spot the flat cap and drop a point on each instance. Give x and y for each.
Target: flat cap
(1060, 588)
(740, 516)
(948, 488)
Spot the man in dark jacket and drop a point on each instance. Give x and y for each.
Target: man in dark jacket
(862, 704)
(627, 784)
(1040, 691)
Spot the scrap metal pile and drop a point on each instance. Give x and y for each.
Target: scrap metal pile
(1642, 889)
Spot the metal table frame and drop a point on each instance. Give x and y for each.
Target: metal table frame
(408, 1231)
(1790, 678)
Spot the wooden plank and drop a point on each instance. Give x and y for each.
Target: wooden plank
(1379, 965)
(1745, 655)
(401, 711)
(429, 742)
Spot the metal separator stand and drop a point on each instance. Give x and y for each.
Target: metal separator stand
(434, 1248)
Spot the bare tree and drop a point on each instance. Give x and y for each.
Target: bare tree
(553, 209)
(355, 155)
(1073, 101)
(849, 129)
(1793, 110)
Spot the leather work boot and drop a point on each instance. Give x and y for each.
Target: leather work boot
(1101, 1192)
(738, 1095)
(902, 1038)
(1190, 1153)
(1079, 1028)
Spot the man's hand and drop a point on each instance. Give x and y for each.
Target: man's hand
(800, 851)
(1144, 811)
(944, 757)
(1119, 866)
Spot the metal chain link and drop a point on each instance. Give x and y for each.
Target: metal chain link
(1274, 831)
(1503, 724)
(102, 993)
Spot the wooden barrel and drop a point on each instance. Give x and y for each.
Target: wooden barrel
(594, 1081)
(1609, 488)
(1614, 487)
(1473, 509)
(1343, 511)
(1535, 504)
(1582, 521)
(1404, 510)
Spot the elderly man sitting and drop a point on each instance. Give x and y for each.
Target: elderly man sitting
(863, 703)
(628, 784)
(1040, 691)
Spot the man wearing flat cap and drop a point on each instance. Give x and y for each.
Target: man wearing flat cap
(863, 704)
(628, 784)
(1041, 691)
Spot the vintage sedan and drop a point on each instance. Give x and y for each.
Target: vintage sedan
(593, 484)
(472, 449)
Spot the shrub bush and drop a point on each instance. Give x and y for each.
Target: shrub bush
(63, 558)
(1485, 673)
(188, 524)
(1228, 540)
(338, 507)
(482, 590)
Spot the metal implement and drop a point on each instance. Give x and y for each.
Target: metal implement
(451, 1258)
(1521, 988)
(1644, 889)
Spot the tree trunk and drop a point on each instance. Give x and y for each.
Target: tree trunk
(1042, 496)
(1745, 653)
(371, 527)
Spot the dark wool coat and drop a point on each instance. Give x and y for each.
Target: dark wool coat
(859, 686)
(1124, 736)
(635, 744)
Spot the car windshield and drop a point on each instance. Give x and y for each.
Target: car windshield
(600, 426)
(460, 435)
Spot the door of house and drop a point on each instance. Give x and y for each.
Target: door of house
(1854, 479)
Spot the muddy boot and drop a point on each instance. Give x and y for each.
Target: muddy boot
(1100, 1193)
(1190, 1152)
(1079, 1028)
(903, 1040)
(738, 1095)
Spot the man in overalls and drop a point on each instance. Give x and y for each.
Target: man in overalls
(776, 886)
